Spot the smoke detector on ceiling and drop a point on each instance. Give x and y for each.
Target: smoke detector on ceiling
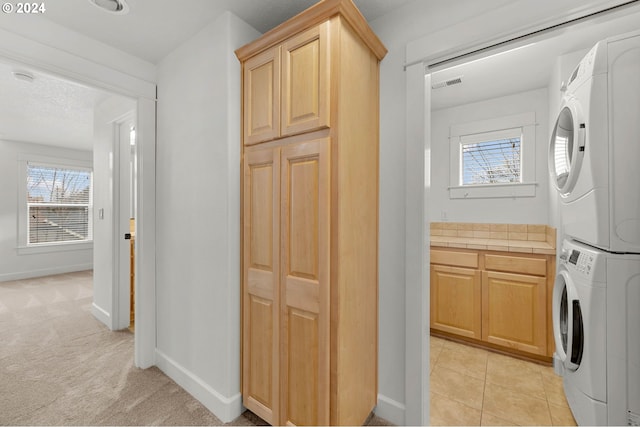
(117, 7)
(445, 83)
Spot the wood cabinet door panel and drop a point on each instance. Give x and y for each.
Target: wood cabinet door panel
(305, 81)
(456, 300)
(260, 308)
(305, 279)
(261, 99)
(514, 311)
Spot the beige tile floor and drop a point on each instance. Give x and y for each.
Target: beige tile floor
(473, 387)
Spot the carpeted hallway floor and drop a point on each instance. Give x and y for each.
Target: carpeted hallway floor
(60, 366)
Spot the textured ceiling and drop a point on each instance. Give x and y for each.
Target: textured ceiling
(47, 110)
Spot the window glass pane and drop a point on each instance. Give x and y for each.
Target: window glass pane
(491, 162)
(58, 204)
(55, 185)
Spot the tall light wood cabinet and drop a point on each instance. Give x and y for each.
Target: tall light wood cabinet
(310, 218)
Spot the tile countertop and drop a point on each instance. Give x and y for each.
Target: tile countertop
(524, 238)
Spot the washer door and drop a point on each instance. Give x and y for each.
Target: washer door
(568, 326)
(566, 148)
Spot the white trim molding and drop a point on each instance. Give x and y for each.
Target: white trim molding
(390, 410)
(45, 272)
(101, 314)
(225, 408)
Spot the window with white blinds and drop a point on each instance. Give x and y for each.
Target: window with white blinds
(58, 204)
(491, 158)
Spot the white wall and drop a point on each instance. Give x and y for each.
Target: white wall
(198, 214)
(15, 266)
(522, 210)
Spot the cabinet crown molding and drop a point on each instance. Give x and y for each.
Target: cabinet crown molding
(316, 14)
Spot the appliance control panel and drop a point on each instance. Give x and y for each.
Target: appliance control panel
(582, 261)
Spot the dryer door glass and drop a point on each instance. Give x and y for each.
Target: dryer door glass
(566, 149)
(562, 140)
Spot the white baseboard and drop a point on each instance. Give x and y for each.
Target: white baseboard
(390, 410)
(20, 275)
(225, 408)
(101, 314)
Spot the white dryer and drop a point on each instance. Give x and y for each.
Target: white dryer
(594, 152)
(596, 322)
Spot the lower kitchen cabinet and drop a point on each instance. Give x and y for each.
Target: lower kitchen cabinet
(501, 300)
(514, 311)
(461, 285)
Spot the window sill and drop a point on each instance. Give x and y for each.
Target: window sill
(54, 247)
(493, 191)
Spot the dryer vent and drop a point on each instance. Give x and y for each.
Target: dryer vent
(450, 82)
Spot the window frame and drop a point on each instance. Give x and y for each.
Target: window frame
(478, 131)
(23, 245)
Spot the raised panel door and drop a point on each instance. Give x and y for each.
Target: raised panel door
(261, 100)
(514, 311)
(305, 81)
(260, 311)
(456, 300)
(305, 283)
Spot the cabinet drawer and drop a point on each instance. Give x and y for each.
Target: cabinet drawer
(458, 259)
(520, 265)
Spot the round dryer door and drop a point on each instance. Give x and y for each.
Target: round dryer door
(568, 326)
(566, 148)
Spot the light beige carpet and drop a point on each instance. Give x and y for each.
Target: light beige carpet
(60, 366)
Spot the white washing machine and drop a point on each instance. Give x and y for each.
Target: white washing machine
(594, 152)
(596, 322)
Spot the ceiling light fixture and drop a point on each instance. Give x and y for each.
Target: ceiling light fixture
(25, 76)
(117, 7)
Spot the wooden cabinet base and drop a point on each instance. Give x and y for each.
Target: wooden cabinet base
(543, 360)
(497, 298)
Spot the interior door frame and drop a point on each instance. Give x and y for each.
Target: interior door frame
(17, 49)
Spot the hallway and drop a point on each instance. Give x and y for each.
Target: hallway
(60, 366)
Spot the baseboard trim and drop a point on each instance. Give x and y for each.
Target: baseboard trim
(390, 410)
(101, 314)
(225, 408)
(20, 275)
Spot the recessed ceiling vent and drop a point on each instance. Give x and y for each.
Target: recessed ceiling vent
(25, 76)
(450, 82)
(117, 7)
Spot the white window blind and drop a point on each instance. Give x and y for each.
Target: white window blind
(491, 158)
(58, 204)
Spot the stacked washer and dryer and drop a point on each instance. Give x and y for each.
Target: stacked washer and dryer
(594, 161)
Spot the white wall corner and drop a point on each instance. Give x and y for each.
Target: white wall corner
(101, 314)
(390, 410)
(225, 408)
